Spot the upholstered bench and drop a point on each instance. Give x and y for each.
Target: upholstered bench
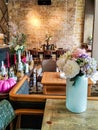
(7, 116)
(21, 99)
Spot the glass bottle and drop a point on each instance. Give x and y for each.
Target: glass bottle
(3, 69)
(35, 79)
(20, 65)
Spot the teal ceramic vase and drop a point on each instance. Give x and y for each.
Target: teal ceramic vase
(76, 94)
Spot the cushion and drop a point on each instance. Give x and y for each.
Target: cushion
(6, 114)
(24, 89)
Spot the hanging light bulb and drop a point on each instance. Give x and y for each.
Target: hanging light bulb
(6, 1)
(11, 1)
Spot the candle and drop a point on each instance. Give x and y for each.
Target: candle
(1, 36)
(19, 56)
(8, 60)
(20, 65)
(26, 68)
(14, 58)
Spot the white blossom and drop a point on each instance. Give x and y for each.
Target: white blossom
(71, 69)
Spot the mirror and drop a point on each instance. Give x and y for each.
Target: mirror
(88, 23)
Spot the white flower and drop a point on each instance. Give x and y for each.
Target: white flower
(71, 69)
(62, 60)
(61, 63)
(17, 47)
(21, 47)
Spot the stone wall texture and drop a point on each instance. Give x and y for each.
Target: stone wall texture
(63, 20)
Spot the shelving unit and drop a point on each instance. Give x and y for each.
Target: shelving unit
(4, 20)
(3, 55)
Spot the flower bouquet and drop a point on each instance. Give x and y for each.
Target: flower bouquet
(17, 38)
(77, 63)
(18, 42)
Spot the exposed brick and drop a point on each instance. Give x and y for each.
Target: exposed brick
(62, 19)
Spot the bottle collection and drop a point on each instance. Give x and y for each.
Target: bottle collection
(35, 86)
(22, 65)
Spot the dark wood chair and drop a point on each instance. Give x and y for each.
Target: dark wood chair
(35, 54)
(60, 52)
(47, 54)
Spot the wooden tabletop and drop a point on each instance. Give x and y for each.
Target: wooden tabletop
(53, 84)
(57, 117)
(54, 78)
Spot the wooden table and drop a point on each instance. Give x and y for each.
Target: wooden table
(57, 117)
(42, 51)
(54, 85)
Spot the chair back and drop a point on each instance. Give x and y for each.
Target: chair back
(47, 54)
(6, 114)
(34, 53)
(48, 65)
(60, 52)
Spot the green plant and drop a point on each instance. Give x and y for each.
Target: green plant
(18, 42)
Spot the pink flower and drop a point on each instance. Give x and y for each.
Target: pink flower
(78, 52)
(24, 59)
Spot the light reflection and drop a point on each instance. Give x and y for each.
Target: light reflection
(33, 19)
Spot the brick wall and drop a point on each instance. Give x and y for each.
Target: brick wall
(63, 20)
(79, 22)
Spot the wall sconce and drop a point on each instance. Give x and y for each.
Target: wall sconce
(12, 2)
(44, 2)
